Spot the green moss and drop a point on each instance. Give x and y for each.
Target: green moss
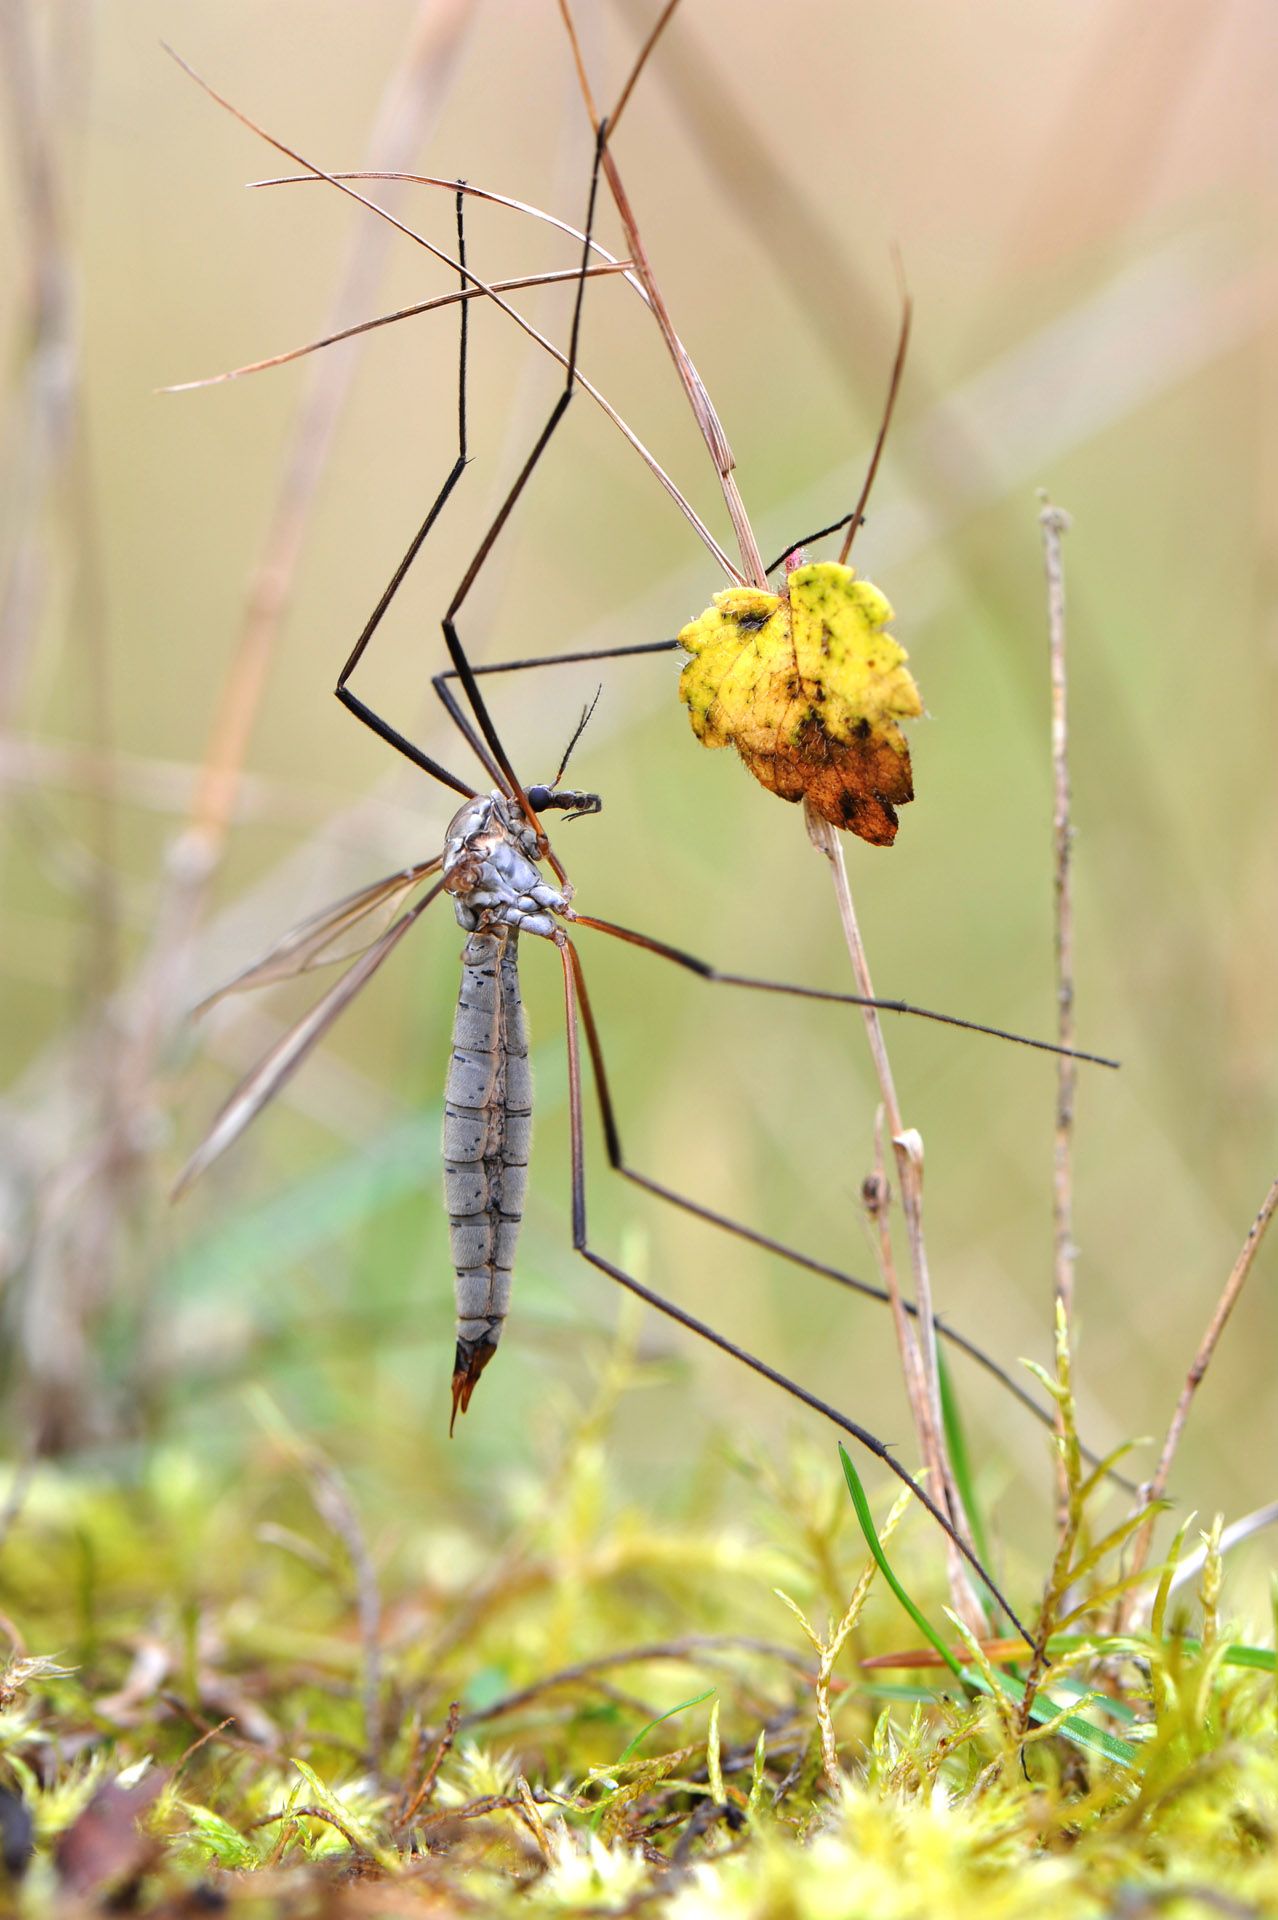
(641, 1719)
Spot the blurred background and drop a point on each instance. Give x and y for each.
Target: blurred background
(1083, 200)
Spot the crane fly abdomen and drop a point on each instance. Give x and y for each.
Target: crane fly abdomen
(489, 863)
(487, 1129)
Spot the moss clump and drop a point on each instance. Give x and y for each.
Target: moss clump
(219, 1694)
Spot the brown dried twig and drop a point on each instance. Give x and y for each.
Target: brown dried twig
(1157, 1486)
(426, 1791)
(907, 1144)
(922, 1379)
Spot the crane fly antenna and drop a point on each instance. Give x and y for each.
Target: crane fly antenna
(571, 802)
(588, 802)
(587, 713)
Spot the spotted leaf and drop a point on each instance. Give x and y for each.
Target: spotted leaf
(809, 689)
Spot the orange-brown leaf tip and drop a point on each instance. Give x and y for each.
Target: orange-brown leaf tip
(809, 689)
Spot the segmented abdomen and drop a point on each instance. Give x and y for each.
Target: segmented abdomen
(487, 1127)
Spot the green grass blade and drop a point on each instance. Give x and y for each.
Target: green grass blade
(866, 1519)
(643, 1733)
(960, 1459)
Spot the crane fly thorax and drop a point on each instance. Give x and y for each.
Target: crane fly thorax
(490, 868)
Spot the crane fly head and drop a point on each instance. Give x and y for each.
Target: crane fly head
(571, 801)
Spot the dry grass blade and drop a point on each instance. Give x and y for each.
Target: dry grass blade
(894, 387)
(316, 942)
(1228, 1300)
(471, 192)
(1055, 524)
(907, 1146)
(708, 422)
(446, 259)
(386, 320)
(284, 1058)
(1233, 1535)
(645, 52)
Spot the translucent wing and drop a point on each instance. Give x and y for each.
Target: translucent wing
(288, 1053)
(323, 939)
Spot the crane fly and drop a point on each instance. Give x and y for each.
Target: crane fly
(492, 865)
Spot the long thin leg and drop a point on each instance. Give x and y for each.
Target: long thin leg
(617, 1160)
(705, 971)
(703, 968)
(452, 639)
(352, 701)
(580, 1240)
(576, 658)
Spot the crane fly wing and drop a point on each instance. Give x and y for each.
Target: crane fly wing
(319, 941)
(264, 1081)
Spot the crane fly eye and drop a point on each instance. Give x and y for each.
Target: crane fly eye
(566, 800)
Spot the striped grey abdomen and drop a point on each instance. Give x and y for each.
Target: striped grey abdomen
(487, 1126)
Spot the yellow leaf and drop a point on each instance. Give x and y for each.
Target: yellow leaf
(808, 689)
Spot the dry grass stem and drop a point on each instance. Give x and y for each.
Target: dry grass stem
(284, 359)
(1055, 524)
(1157, 1487)
(708, 422)
(877, 1194)
(488, 289)
(908, 1150)
(906, 1146)
(430, 1779)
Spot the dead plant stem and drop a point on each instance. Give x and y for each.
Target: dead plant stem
(907, 1148)
(926, 1405)
(879, 1207)
(1055, 524)
(1157, 1487)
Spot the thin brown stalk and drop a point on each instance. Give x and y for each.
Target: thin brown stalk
(907, 1147)
(459, 294)
(663, 19)
(485, 287)
(443, 1747)
(1157, 1487)
(704, 413)
(877, 1195)
(292, 1815)
(471, 191)
(1055, 524)
(894, 387)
